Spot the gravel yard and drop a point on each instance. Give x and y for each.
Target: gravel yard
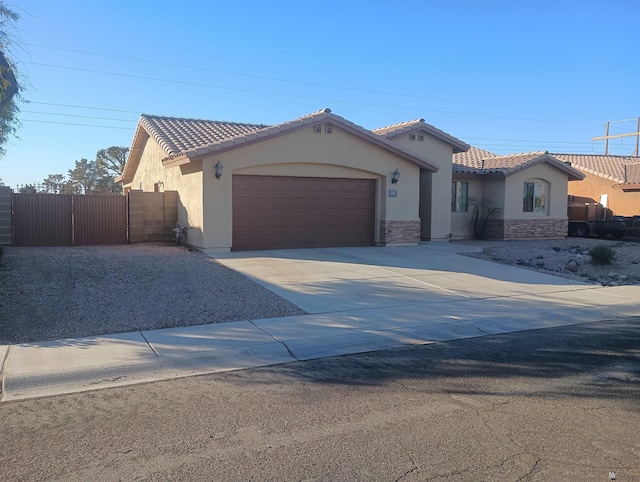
(52, 293)
(554, 256)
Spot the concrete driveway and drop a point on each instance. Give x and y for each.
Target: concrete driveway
(427, 288)
(357, 300)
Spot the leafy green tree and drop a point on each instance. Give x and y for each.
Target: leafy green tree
(89, 177)
(10, 87)
(84, 177)
(112, 159)
(55, 184)
(28, 189)
(107, 185)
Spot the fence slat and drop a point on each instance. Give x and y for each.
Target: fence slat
(42, 220)
(99, 220)
(66, 220)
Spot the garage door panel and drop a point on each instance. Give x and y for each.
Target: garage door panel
(272, 212)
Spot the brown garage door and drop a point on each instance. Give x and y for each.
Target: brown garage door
(301, 212)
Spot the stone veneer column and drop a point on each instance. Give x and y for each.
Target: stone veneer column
(399, 232)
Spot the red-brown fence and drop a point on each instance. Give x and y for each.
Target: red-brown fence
(68, 220)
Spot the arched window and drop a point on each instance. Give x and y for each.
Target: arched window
(535, 196)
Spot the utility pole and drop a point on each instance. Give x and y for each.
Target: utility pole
(606, 136)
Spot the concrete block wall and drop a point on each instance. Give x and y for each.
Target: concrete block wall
(5, 215)
(399, 232)
(152, 215)
(533, 228)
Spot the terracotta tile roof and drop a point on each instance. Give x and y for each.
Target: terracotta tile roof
(257, 134)
(176, 135)
(186, 139)
(396, 130)
(471, 159)
(609, 167)
(479, 161)
(397, 127)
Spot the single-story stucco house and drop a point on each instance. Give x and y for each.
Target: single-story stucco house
(321, 180)
(528, 191)
(617, 177)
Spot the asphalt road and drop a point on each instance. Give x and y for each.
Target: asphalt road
(555, 404)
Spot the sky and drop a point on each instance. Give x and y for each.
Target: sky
(506, 76)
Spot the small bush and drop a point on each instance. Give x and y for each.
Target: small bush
(602, 254)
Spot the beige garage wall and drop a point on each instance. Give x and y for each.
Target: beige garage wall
(306, 153)
(557, 195)
(187, 180)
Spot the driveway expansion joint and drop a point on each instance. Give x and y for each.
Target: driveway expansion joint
(276, 339)
(150, 346)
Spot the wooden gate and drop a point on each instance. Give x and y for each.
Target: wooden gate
(68, 220)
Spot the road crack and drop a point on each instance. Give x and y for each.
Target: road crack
(410, 471)
(531, 471)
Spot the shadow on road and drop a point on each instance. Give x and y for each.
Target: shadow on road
(596, 355)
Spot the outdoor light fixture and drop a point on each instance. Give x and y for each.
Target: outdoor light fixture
(396, 176)
(219, 168)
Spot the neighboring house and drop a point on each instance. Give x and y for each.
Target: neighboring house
(319, 180)
(617, 177)
(529, 191)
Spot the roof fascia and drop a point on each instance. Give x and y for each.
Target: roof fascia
(457, 144)
(597, 173)
(177, 161)
(376, 139)
(294, 126)
(135, 154)
(574, 174)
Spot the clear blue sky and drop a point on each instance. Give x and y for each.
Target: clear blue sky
(507, 76)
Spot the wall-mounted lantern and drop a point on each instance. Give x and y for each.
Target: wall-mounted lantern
(219, 168)
(395, 177)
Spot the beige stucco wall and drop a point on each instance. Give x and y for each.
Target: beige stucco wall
(435, 203)
(461, 227)
(494, 190)
(622, 203)
(187, 180)
(557, 194)
(306, 153)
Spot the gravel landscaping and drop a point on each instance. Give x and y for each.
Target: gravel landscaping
(53, 293)
(568, 258)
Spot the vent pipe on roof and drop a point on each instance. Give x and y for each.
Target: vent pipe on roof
(625, 173)
(482, 167)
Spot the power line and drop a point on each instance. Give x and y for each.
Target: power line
(76, 115)
(323, 99)
(300, 82)
(524, 140)
(511, 146)
(72, 124)
(85, 107)
(521, 146)
(566, 144)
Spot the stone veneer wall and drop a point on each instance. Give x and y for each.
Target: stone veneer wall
(526, 228)
(399, 232)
